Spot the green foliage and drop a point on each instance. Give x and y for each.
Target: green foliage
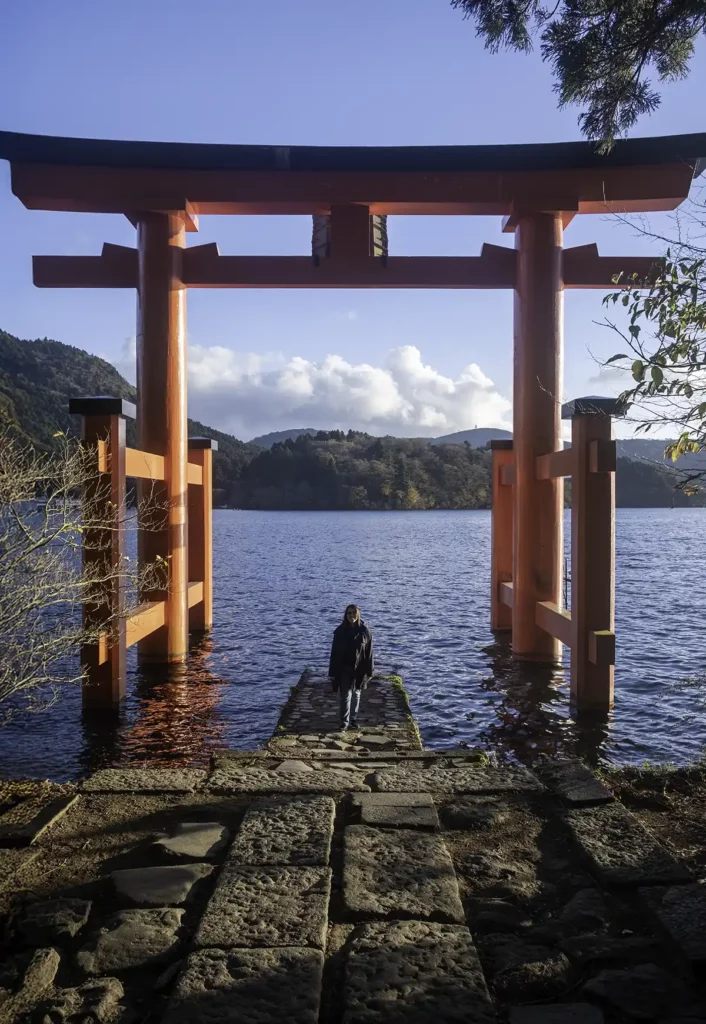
(599, 50)
(329, 470)
(665, 344)
(37, 379)
(333, 470)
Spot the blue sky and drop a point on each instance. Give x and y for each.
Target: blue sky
(356, 72)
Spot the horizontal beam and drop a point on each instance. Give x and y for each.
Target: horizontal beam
(506, 592)
(195, 594)
(126, 190)
(555, 621)
(148, 617)
(194, 474)
(144, 465)
(494, 268)
(507, 475)
(601, 647)
(555, 464)
(204, 267)
(582, 267)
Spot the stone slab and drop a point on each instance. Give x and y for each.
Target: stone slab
(132, 938)
(470, 779)
(248, 986)
(236, 779)
(620, 850)
(97, 1000)
(38, 976)
(11, 864)
(24, 823)
(413, 972)
(682, 911)
(392, 799)
(399, 874)
(574, 783)
(195, 839)
(399, 817)
(296, 831)
(644, 992)
(160, 886)
(253, 907)
(556, 1013)
(146, 780)
(293, 765)
(53, 921)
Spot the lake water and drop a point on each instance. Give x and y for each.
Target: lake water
(282, 581)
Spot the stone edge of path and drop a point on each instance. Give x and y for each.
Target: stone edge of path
(27, 832)
(146, 780)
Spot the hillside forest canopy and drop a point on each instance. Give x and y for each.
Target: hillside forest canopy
(329, 470)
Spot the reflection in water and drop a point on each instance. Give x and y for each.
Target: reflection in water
(531, 718)
(281, 582)
(174, 717)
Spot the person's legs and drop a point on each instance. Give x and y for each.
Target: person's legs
(355, 706)
(345, 692)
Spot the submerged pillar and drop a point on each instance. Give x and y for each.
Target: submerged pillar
(592, 551)
(161, 418)
(538, 343)
(501, 542)
(201, 451)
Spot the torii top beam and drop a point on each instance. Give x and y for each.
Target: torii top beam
(103, 176)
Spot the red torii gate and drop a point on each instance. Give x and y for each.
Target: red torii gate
(163, 187)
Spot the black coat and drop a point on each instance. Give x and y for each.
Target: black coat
(352, 649)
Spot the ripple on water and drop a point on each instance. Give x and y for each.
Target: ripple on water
(282, 581)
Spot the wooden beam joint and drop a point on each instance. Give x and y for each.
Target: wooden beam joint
(555, 621)
(555, 464)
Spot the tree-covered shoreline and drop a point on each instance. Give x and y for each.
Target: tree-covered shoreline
(328, 471)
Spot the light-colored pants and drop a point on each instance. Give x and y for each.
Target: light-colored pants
(350, 703)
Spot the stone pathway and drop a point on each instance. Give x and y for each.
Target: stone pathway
(320, 884)
(310, 720)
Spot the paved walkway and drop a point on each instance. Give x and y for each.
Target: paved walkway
(310, 719)
(312, 884)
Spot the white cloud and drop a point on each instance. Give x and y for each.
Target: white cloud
(248, 394)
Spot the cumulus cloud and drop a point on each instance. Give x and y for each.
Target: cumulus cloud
(248, 394)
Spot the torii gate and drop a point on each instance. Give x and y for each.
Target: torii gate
(538, 189)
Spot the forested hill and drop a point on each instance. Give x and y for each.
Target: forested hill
(325, 470)
(37, 379)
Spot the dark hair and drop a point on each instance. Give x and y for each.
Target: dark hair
(355, 608)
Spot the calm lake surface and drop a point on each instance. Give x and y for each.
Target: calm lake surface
(282, 581)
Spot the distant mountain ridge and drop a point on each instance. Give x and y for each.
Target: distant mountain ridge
(289, 470)
(478, 437)
(641, 449)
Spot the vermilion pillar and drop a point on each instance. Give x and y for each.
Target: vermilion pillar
(501, 543)
(592, 552)
(161, 415)
(538, 334)
(103, 663)
(201, 451)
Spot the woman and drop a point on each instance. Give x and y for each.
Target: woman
(351, 664)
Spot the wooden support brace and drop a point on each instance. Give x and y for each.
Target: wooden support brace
(582, 267)
(507, 594)
(150, 616)
(601, 647)
(143, 465)
(555, 621)
(555, 464)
